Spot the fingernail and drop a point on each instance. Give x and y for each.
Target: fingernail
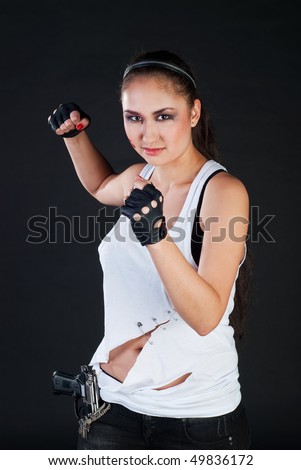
(79, 127)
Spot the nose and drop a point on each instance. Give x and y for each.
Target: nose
(149, 133)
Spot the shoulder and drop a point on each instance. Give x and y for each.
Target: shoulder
(225, 182)
(133, 170)
(225, 193)
(128, 175)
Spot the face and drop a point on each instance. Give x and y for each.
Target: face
(158, 122)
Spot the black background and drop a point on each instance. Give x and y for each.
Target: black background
(245, 56)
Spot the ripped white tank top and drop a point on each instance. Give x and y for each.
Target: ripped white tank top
(135, 302)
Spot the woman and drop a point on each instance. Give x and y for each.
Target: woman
(168, 361)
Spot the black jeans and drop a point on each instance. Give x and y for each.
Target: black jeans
(122, 429)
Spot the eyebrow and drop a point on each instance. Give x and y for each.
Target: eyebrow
(155, 112)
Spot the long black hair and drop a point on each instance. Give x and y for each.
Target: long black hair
(204, 141)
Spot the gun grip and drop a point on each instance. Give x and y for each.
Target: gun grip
(65, 384)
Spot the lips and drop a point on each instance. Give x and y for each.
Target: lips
(152, 151)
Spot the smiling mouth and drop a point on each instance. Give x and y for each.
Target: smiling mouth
(152, 151)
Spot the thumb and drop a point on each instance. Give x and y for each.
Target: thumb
(82, 124)
(77, 121)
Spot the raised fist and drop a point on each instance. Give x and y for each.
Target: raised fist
(68, 120)
(144, 208)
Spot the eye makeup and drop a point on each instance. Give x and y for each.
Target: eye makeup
(159, 117)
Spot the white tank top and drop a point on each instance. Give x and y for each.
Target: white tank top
(135, 301)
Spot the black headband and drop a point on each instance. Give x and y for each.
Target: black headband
(159, 63)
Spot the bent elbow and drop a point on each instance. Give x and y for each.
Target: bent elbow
(204, 331)
(204, 328)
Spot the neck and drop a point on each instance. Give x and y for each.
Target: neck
(178, 172)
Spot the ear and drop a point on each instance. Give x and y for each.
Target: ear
(196, 112)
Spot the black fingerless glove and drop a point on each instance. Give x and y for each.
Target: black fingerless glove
(151, 228)
(62, 114)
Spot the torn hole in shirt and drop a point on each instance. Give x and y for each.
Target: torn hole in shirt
(175, 382)
(123, 358)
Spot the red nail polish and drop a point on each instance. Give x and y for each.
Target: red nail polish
(79, 127)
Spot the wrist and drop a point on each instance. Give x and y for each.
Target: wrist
(160, 244)
(78, 140)
(75, 138)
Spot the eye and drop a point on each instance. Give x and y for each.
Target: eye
(165, 117)
(134, 118)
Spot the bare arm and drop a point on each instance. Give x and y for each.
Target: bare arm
(201, 297)
(96, 173)
(92, 168)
